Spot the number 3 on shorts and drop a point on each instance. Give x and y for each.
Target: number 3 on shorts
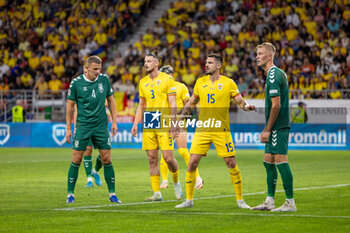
(170, 141)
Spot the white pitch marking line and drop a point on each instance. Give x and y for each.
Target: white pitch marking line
(211, 213)
(200, 198)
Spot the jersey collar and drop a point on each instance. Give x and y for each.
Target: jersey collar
(88, 80)
(270, 69)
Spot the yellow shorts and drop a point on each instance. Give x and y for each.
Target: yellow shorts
(152, 140)
(222, 142)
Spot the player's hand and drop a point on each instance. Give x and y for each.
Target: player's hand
(250, 107)
(69, 135)
(264, 136)
(134, 130)
(173, 132)
(114, 129)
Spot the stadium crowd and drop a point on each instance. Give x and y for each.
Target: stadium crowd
(43, 44)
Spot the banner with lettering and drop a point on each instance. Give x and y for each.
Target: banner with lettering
(245, 136)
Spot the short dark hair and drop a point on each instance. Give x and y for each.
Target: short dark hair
(155, 55)
(217, 57)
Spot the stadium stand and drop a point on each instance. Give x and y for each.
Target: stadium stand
(43, 44)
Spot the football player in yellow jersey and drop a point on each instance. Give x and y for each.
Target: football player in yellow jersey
(157, 94)
(182, 97)
(214, 92)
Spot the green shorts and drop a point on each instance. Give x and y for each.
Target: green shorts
(98, 137)
(278, 142)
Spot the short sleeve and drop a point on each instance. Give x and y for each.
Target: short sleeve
(195, 90)
(141, 93)
(72, 93)
(109, 87)
(185, 95)
(234, 89)
(273, 83)
(171, 87)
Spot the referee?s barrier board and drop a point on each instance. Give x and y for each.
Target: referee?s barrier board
(245, 136)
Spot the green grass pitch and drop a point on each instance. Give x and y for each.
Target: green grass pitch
(33, 194)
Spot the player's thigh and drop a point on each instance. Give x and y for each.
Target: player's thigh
(278, 142)
(270, 158)
(201, 143)
(181, 139)
(166, 143)
(224, 144)
(81, 138)
(149, 141)
(101, 138)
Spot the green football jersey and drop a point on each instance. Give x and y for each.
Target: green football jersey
(277, 85)
(90, 99)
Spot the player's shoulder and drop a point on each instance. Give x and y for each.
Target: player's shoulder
(76, 80)
(226, 79)
(180, 85)
(163, 75)
(103, 76)
(202, 79)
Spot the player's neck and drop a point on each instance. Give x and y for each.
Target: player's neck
(268, 67)
(214, 77)
(154, 74)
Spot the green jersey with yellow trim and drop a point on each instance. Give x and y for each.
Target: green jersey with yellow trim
(277, 85)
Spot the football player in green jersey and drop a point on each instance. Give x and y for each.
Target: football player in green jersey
(276, 131)
(89, 91)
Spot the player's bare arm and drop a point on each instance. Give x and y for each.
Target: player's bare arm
(69, 116)
(189, 106)
(173, 108)
(243, 104)
(275, 109)
(113, 109)
(138, 116)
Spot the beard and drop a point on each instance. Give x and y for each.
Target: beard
(150, 71)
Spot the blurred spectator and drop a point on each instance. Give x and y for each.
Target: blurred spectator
(42, 86)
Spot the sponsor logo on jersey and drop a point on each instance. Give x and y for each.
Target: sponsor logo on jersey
(84, 88)
(4, 134)
(151, 120)
(100, 87)
(205, 86)
(59, 133)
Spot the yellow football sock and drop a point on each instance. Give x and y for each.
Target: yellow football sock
(155, 181)
(236, 181)
(164, 170)
(190, 183)
(175, 176)
(186, 156)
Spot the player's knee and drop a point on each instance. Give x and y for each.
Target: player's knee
(230, 162)
(76, 160)
(88, 151)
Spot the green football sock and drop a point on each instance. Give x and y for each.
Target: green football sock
(271, 178)
(88, 165)
(287, 179)
(98, 163)
(72, 176)
(109, 177)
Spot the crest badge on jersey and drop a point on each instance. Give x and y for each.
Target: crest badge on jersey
(59, 133)
(158, 82)
(100, 87)
(4, 134)
(220, 86)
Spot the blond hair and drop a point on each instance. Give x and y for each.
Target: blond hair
(268, 46)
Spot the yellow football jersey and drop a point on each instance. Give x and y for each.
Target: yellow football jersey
(182, 94)
(156, 91)
(215, 98)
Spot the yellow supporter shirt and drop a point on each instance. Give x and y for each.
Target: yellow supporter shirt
(42, 87)
(135, 7)
(291, 34)
(155, 92)
(59, 70)
(110, 70)
(55, 85)
(25, 79)
(100, 38)
(188, 78)
(215, 98)
(47, 59)
(34, 62)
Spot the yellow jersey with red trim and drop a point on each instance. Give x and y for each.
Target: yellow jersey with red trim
(215, 98)
(182, 94)
(156, 91)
